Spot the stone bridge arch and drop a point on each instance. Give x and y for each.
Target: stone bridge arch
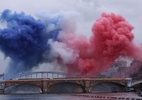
(76, 86)
(23, 88)
(19, 82)
(107, 87)
(66, 87)
(137, 85)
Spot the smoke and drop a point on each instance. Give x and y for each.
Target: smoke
(24, 40)
(31, 42)
(112, 37)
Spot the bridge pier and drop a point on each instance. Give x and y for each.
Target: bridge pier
(87, 86)
(87, 89)
(44, 87)
(44, 90)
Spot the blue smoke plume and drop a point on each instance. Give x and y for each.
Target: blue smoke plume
(24, 40)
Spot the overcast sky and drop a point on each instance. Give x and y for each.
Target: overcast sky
(88, 10)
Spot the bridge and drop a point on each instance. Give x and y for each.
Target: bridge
(63, 84)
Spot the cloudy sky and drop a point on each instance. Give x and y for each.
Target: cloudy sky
(88, 11)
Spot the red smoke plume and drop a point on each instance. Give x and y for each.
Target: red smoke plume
(112, 37)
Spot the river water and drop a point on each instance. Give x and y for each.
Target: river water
(40, 97)
(66, 96)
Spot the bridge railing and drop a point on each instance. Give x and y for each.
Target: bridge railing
(36, 75)
(33, 75)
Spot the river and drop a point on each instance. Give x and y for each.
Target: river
(40, 97)
(67, 96)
